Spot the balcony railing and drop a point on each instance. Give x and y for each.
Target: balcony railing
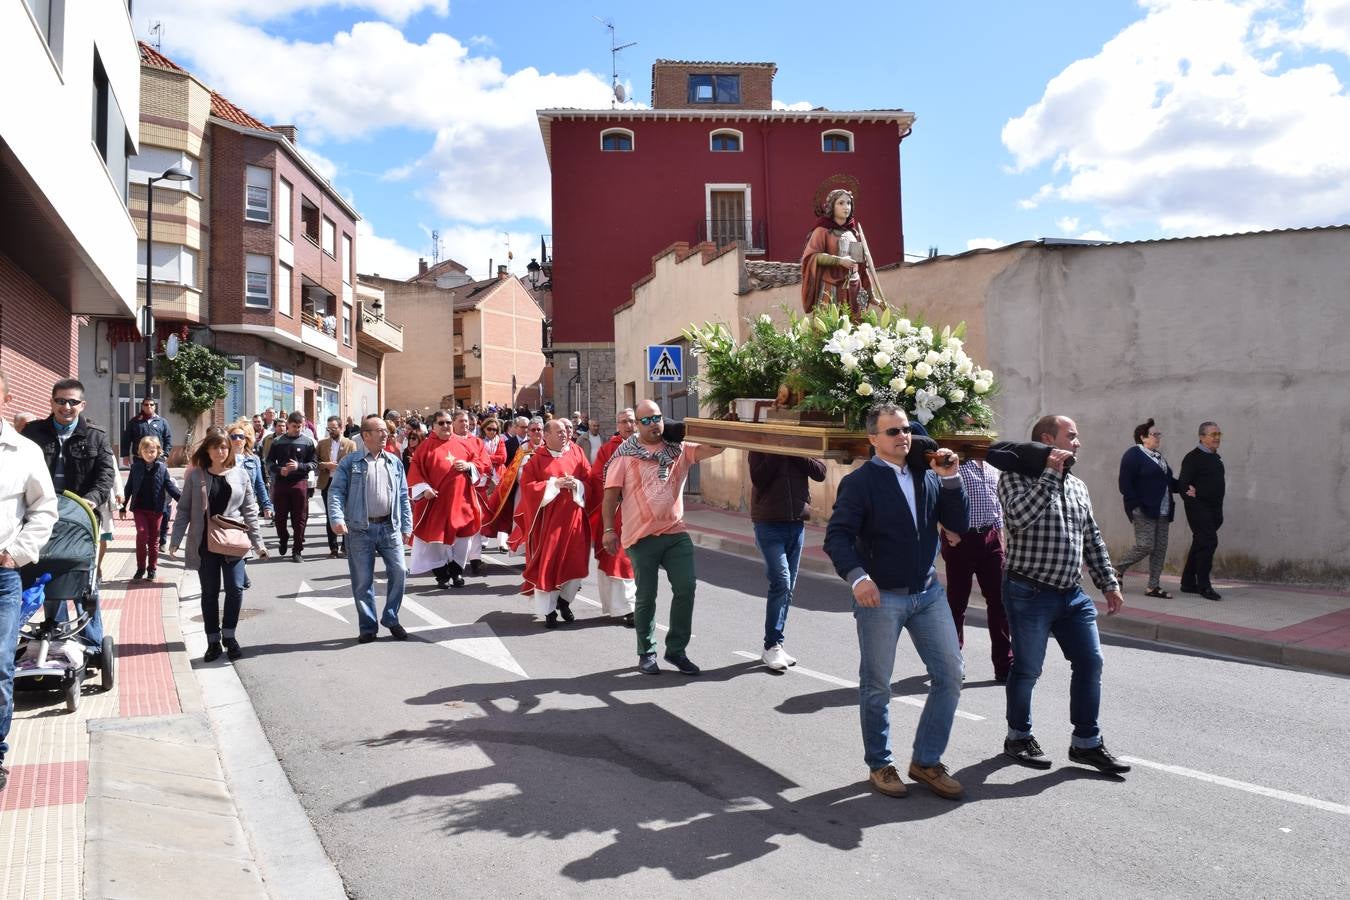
(723, 231)
(376, 329)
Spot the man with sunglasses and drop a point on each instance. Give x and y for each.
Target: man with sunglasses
(883, 541)
(446, 512)
(647, 474)
(1202, 485)
(147, 424)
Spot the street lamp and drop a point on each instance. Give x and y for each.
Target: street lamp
(534, 270)
(173, 173)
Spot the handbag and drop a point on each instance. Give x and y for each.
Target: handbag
(225, 536)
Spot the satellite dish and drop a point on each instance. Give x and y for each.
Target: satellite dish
(171, 346)
(619, 93)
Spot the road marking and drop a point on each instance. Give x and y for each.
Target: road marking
(305, 596)
(840, 682)
(476, 641)
(1260, 790)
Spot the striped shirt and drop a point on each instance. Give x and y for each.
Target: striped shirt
(650, 506)
(1051, 532)
(981, 481)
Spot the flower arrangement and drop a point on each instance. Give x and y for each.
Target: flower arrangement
(848, 367)
(755, 368)
(843, 368)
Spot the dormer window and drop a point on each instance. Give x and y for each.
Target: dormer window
(618, 140)
(837, 142)
(714, 89)
(725, 140)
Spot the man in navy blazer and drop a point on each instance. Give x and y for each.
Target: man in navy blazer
(883, 540)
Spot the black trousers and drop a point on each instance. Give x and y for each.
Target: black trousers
(1205, 522)
(335, 541)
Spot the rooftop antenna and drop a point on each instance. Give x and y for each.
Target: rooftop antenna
(157, 29)
(619, 95)
(509, 255)
(435, 246)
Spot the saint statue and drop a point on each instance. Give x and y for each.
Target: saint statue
(835, 263)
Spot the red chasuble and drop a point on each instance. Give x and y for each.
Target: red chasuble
(455, 511)
(557, 534)
(500, 506)
(616, 566)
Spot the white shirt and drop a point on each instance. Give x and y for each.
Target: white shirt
(334, 446)
(28, 508)
(906, 483)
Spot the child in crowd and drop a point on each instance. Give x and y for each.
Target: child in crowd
(149, 487)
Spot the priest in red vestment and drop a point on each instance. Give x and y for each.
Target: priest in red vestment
(446, 511)
(504, 498)
(494, 447)
(613, 571)
(552, 519)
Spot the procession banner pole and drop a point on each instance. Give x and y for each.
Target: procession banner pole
(871, 267)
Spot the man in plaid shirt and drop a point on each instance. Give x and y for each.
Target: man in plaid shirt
(1050, 531)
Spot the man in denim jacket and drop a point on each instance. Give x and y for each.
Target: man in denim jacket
(368, 502)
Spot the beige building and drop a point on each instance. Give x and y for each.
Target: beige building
(376, 337)
(1249, 330)
(465, 342)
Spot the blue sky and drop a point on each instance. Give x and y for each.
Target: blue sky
(1109, 119)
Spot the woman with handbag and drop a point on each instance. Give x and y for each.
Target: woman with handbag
(219, 514)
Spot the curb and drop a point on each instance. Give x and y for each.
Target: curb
(1247, 648)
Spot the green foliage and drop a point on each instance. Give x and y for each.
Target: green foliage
(197, 378)
(755, 368)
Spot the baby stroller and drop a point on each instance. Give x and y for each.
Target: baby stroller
(53, 655)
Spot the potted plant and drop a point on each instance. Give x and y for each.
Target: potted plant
(742, 375)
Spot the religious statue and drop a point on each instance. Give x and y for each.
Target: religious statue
(836, 267)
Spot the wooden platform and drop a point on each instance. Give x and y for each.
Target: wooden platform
(813, 441)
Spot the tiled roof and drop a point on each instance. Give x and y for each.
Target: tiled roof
(152, 57)
(765, 275)
(445, 266)
(468, 296)
(222, 107)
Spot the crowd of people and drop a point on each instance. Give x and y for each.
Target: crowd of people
(429, 496)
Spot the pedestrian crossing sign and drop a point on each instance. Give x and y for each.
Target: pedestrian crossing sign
(665, 362)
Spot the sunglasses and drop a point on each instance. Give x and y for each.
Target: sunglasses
(443, 423)
(649, 420)
(236, 437)
(66, 401)
(1155, 434)
(898, 430)
(1217, 434)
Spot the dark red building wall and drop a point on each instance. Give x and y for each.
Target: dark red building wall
(613, 211)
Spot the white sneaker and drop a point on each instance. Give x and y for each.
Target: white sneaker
(787, 657)
(775, 658)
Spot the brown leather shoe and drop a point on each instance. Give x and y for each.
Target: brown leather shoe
(887, 781)
(937, 779)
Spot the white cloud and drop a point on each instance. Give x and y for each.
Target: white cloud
(1067, 224)
(1192, 119)
(1093, 234)
(799, 106)
(984, 243)
(264, 10)
(322, 164)
(377, 255)
(472, 247)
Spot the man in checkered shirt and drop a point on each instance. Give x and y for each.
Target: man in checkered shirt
(1050, 530)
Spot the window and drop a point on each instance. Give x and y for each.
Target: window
(109, 129)
(258, 281)
(284, 208)
(347, 324)
(285, 287)
(714, 89)
(169, 264)
(616, 139)
(727, 140)
(837, 142)
(346, 259)
(329, 237)
(309, 219)
(258, 194)
(152, 162)
(49, 15)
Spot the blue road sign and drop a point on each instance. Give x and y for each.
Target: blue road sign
(665, 362)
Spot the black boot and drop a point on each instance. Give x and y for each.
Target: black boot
(565, 609)
(456, 572)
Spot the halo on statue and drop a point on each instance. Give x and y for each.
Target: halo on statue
(833, 183)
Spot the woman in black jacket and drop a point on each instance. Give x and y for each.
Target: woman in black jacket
(1147, 486)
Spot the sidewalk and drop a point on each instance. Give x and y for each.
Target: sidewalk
(128, 797)
(1281, 624)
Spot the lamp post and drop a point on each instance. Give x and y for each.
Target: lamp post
(533, 271)
(173, 173)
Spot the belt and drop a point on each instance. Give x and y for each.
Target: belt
(983, 529)
(1040, 585)
(927, 586)
(379, 520)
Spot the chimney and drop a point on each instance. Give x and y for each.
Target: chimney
(289, 132)
(502, 273)
(421, 266)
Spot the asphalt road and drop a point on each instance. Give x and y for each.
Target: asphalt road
(435, 767)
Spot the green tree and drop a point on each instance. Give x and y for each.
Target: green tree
(197, 378)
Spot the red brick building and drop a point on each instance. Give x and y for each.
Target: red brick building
(711, 161)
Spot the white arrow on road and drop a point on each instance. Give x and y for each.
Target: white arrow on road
(476, 641)
(329, 606)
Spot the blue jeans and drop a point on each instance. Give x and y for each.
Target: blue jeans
(217, 571)
(362, 546)
(929, 621)
(781, 545)
(1033, 616)
(11, 599)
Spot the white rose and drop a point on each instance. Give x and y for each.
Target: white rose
(912, 355)
(903, 326)
(964, 366)
(982, 387)
(956, 395)
(897, 384)
(923, 370)
(932, 357)
(864, 390)
(886, 345)
(882, 360)
(848, 361)
(926, 334)
(985, 375)
(955, 344)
